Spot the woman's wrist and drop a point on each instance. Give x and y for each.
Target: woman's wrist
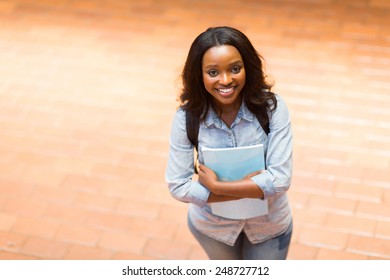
(216, 187)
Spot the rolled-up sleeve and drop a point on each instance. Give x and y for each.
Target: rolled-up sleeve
(277, 176)
(180, 167)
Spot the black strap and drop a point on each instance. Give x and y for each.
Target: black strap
(192, 125)
(263, 125)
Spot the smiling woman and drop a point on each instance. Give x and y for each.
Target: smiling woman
(225, 92)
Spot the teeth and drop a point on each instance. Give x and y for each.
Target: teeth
(226, 90)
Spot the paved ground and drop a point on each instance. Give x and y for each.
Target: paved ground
(87, 92)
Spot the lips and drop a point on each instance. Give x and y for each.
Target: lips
(225, 91)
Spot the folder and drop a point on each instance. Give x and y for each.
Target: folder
(231, 164)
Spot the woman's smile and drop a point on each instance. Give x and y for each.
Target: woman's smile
(226, 92)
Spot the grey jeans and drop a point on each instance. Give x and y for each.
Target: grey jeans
(272, 249)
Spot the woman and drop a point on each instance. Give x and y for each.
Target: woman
(225, 88)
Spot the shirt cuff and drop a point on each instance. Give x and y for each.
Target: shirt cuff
(200, 194)
(265, 183)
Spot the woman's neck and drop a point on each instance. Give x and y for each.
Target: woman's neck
(229, 113)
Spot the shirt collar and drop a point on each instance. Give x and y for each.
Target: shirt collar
(213, 118)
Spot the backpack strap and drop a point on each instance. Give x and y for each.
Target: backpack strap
(265, 126)
(192, 126)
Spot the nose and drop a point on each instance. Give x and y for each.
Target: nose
(226, 79)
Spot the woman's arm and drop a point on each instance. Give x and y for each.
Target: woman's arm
(180, 167)
(245, 188)
(276, 179)
(220, 198)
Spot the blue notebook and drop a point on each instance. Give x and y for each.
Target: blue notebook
(231, 164)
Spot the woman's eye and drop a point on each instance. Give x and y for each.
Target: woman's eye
(236, 69)
(213, 73)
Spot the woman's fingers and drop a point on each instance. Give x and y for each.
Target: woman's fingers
(250, 175)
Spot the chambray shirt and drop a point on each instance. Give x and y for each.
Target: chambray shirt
(274, 182)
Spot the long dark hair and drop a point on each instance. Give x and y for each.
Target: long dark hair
(256, 93)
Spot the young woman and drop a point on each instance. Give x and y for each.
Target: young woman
(225, 88)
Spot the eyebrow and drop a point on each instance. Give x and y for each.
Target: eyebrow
(230, 64)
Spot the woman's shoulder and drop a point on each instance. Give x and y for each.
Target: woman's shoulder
(180, 113)
(280, 102)
(281, 112)
(179, 118)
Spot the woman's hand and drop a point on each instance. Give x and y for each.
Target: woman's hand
(207, 177)
(250, 175)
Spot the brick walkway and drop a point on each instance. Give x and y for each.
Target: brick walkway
(87, 93)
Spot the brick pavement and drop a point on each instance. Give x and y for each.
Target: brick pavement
(87, 93)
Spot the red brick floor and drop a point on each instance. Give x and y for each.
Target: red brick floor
(87, 92)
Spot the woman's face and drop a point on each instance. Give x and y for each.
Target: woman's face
(224, 75)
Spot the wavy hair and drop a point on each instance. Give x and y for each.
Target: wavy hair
(256, 93)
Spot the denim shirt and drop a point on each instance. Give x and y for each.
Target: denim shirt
(274, 181)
